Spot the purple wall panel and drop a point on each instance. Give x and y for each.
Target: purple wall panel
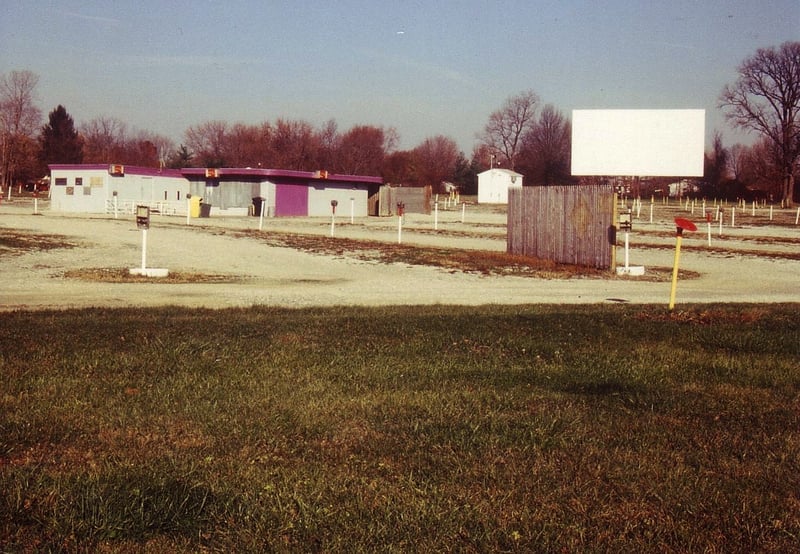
(291, 200)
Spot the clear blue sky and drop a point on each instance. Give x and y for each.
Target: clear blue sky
(425, 68)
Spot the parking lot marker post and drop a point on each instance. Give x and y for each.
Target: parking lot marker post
(334, 203)
(144, 249)
(143, 223)
(680, 224)
(401, 210)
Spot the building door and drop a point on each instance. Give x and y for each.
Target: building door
(291, 200)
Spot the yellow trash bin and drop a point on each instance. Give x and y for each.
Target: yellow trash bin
(194, 206)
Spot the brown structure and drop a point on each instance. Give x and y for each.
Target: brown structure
(567, 224)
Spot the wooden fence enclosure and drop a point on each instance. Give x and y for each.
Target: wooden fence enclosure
(415, 200)
(571, 224)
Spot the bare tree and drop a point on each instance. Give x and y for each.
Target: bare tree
(108, 140)
(545, 152)
(328, 140)
(761, 169)
(398, 167)
(292, 144)
(208, 142)
(243, 145)
(104, 140)
(715, 166)
(149, 149)
(766, 99)
(435, 161)
(19, 122)
(363, 148)
(736, 161)
(506, 127)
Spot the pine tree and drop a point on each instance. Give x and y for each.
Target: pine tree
(60, 142)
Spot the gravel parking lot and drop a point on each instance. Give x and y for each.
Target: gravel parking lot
(753, 262)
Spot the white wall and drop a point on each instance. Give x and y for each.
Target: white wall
(92, 190)
(319, 200)
(493, 185)
(85, 190)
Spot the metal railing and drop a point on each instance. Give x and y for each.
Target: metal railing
(117, 206)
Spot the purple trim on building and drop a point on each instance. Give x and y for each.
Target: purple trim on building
(227, 172)
(267, 174)
(129, 169)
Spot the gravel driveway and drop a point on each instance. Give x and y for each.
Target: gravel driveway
(281, 276)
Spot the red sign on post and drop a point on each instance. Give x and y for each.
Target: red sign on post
(685, 225)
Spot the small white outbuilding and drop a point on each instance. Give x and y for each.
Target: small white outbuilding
(493, 185)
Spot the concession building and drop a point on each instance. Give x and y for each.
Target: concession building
(114, 188)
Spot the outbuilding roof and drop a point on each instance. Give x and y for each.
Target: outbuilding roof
(502, 170)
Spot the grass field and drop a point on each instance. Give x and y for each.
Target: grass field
(412, 429)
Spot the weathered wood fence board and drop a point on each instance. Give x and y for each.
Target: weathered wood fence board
(415, 199)
(566, 224)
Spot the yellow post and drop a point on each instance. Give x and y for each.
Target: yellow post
(681, 224)
(675, 269)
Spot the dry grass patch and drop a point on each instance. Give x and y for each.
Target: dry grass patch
(453, 259)
(123, 275)
(17, 242)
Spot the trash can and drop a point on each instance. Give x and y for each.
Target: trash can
(258, 204)
(194, 206)
(205, 210)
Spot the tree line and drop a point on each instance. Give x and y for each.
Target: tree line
(523, 135)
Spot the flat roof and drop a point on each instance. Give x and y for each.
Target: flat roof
(286, 173)
(230, 172)
(129, 169)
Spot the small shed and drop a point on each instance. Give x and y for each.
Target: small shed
(493, 185)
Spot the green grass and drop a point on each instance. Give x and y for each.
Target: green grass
(534, 428)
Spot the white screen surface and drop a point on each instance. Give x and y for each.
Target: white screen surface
(656, 143)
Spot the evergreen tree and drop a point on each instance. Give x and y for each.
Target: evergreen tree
(60, 142)
(465, 175)
(182, 157)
